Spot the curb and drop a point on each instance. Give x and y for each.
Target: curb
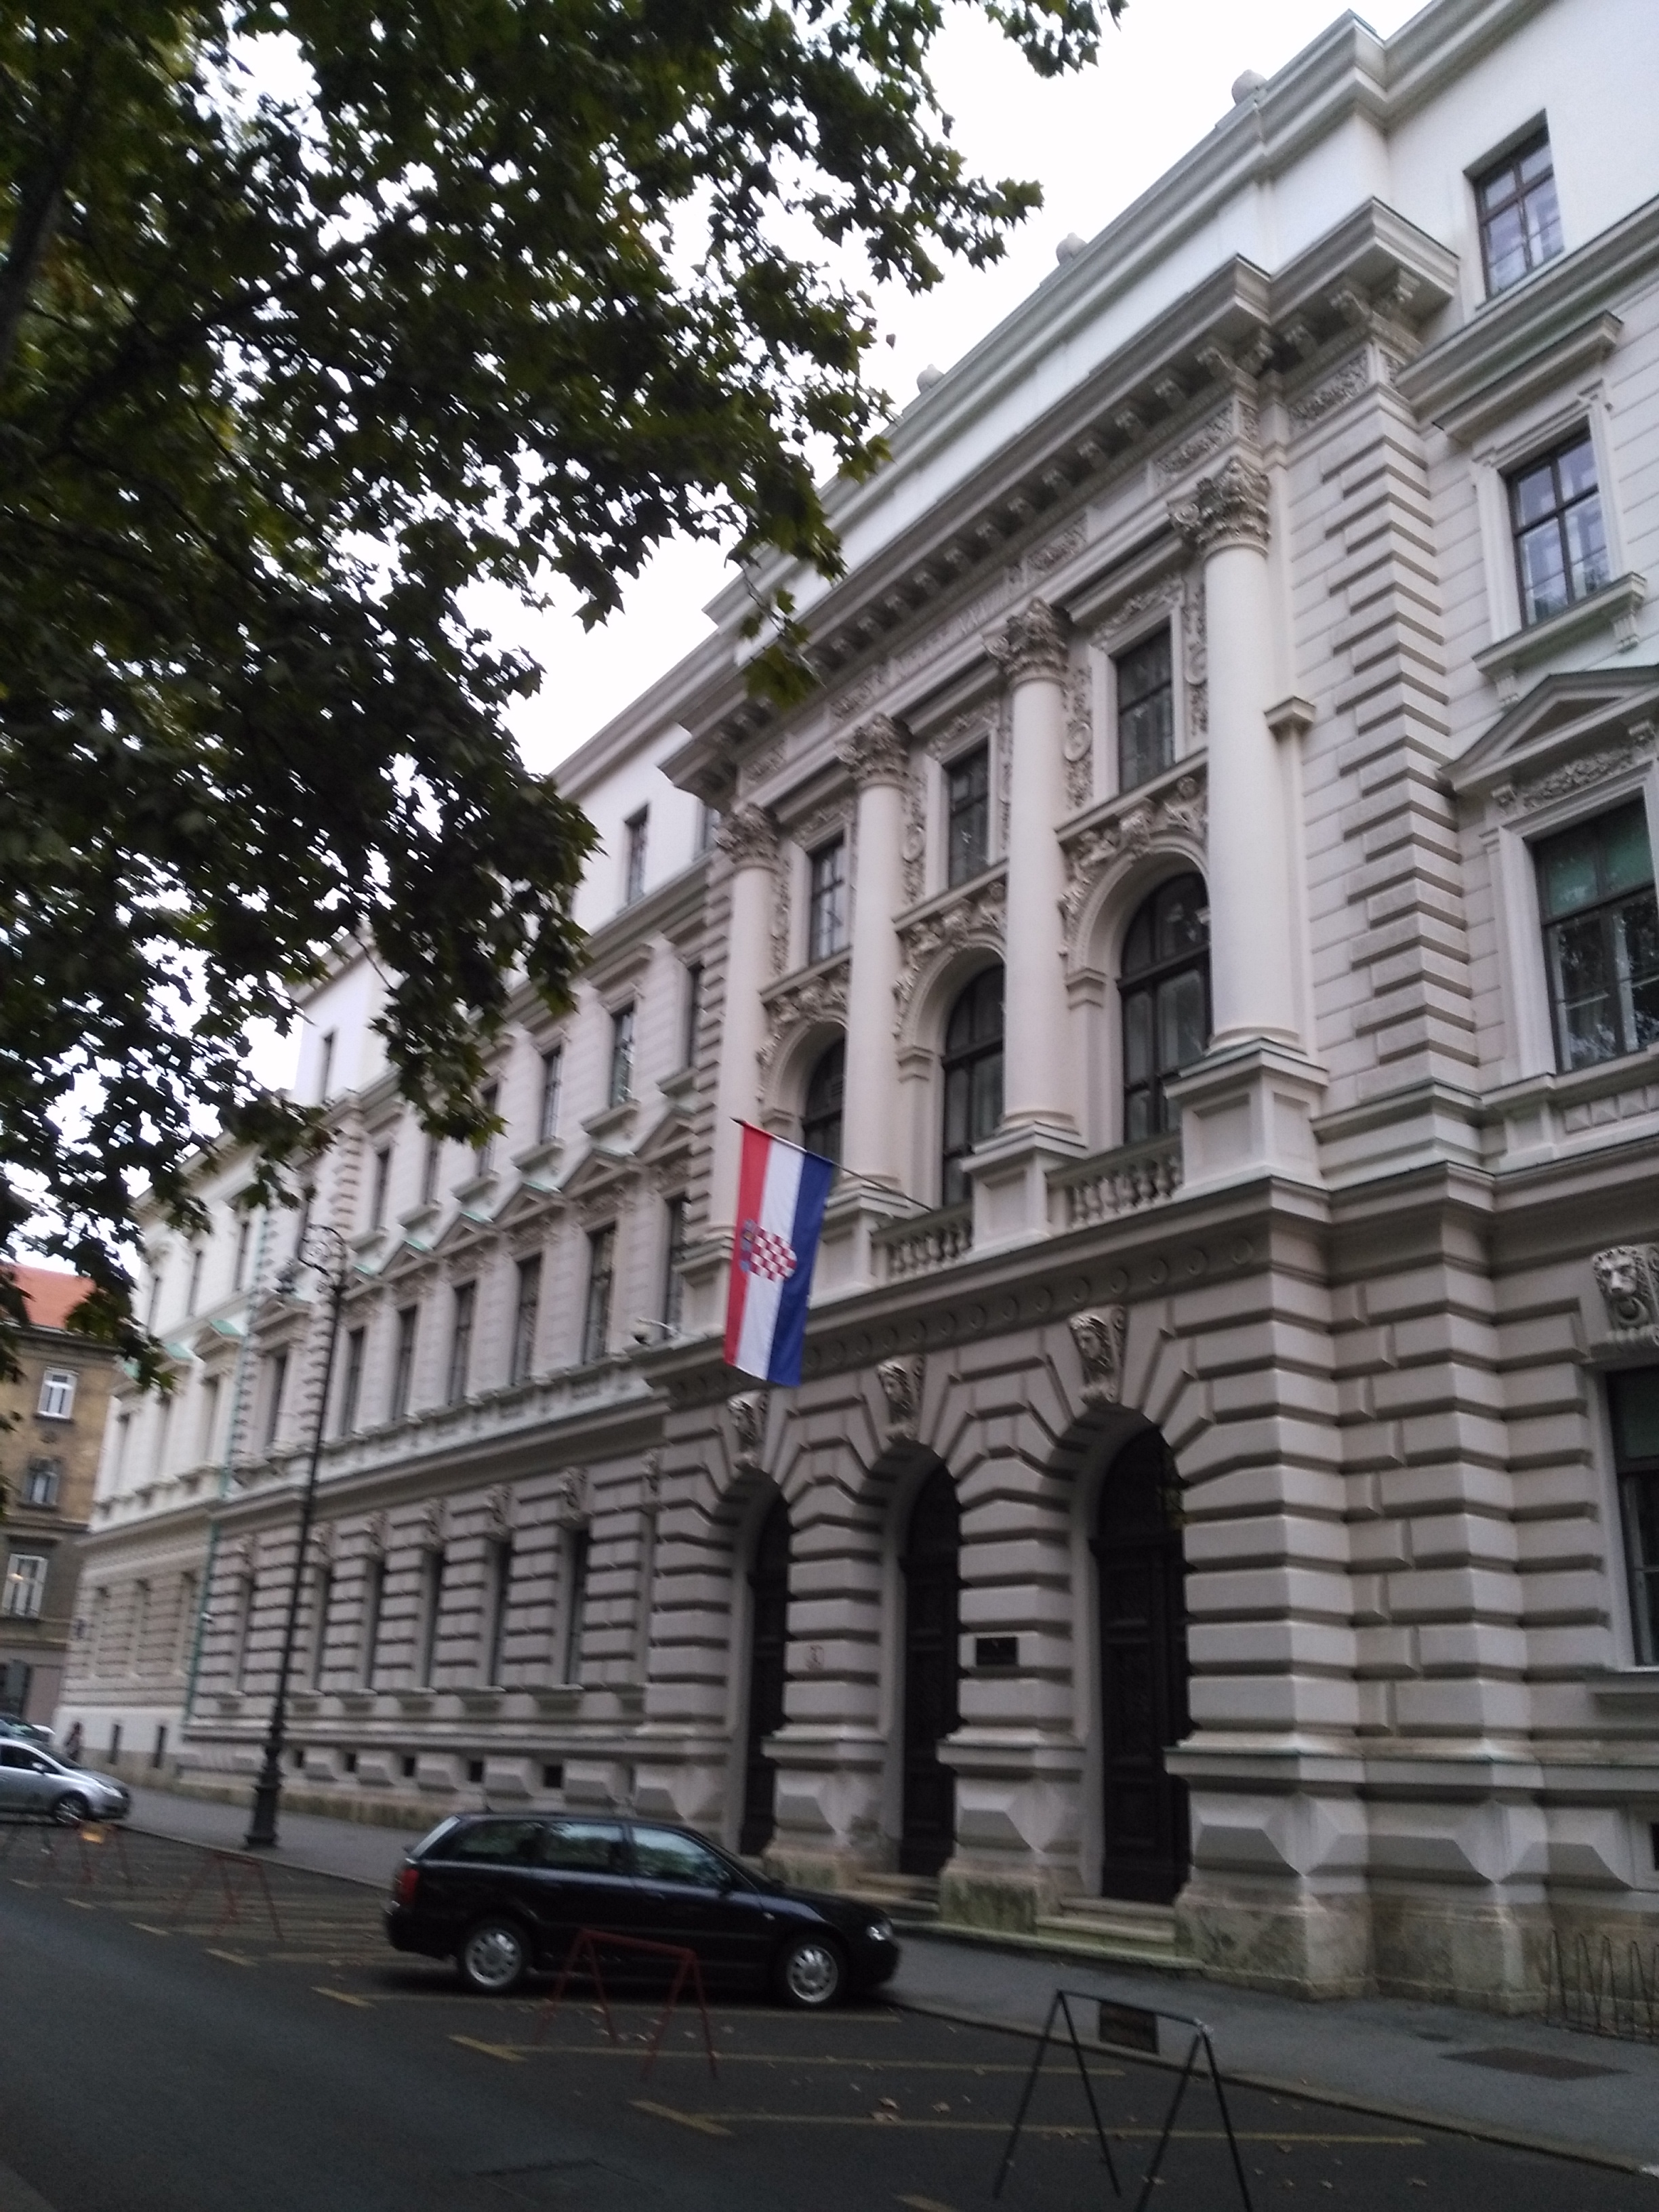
(1307, 2092)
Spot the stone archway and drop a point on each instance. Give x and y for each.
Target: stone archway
(931, 1565)
(1142, 1629)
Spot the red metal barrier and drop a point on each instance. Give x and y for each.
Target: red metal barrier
(222, 1862)
(686, 1970)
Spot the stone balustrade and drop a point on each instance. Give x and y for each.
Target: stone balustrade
(924, 1243)
(1127, 1180)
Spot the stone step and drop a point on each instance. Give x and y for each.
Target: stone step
(900, 1896)
(1142, 1934)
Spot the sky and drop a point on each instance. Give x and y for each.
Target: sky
(1094, 142)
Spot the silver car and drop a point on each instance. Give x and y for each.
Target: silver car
(32, 1781)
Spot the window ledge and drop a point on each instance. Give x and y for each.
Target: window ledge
(679, 1087)
(611, 1121)
(537, 1164)
(1614, 605)
(1633, 1689)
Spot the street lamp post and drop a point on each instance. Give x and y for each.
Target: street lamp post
(268, 1789)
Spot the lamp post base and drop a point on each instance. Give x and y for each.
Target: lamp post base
(267, 1793)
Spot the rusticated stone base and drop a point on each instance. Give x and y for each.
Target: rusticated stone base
(1299, 1942)
(1471, 1951)
(1009, 1902)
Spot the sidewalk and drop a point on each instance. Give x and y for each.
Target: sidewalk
(1514, 2080)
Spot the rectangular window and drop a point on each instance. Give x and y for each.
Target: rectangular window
(527, 1311)
(429, 1169)
(578, 1545)
(382, 1184)
(1520, 215)
(967, 815)
(374, 1607)
(635, 830)
(1596, 894)
(546, 1125)
(276, 1386)
(1555, 515)
(57, 1395)
(208, 1442)
(826, 906)
(184, 1644)
(1633, 1401)
(621, 1055)
(197, 1257)
(693, 1014)
(322, 1600)
(41, 1480)
(403, 1363)
(673, 1286)
(351, 1385)
(501, 1597)
(326, 1073)
(432, 1606)
(244, 1234)
(708, 823)
(601, 1267)
(25, 1586)
(460, 1342)
(483, 1152)
(307, 1200)
(1145, 710)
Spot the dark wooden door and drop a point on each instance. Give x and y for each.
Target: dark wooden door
(768, 1658)
(931, 1567)
(1143, 1672)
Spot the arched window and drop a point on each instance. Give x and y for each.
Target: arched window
(820, 1117)
(973, 1079)
(1166, 1001)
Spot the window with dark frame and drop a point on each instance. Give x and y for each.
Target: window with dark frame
(578, 1547)
(601, 1268)
(403, 1363)
(826, 900)
(1164, 993)
(967, 815)
(693, 1013)
(322, 1601)
(673, 1286)
(483, 1152)
(635, 831)
(374, 1607)
(460, 1342)
(238, 1271)
(547, 1122)
(1634, 1403)
(429, 1169)
(973, 1079)
(276, 1386)
(432, 1607)
(1520, 215)
(621, 1055)
(527, 1311)
(198, 1254)
(1595, 900)
(1144, 678)
(325, 1074)
(1555, 518)
(825, 1102)
(500, 1598)
(381, 1185)
(351, 1386)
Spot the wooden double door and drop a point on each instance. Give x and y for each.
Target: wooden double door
(769, 1671)
(931, 1567)
(1143, 1672)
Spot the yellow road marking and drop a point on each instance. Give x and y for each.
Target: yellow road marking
(149, 1929)
(230, 1958)
(342, 1996)
(694, 2120)
(502, 2051)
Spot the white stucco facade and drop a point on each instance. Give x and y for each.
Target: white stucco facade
(1215, 1496)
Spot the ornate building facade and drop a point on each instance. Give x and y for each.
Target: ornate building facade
(1208, 912)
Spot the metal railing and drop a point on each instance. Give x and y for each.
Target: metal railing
(1603, 1988)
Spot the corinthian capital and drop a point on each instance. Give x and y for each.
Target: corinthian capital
(875, 752)
(1033, 644)
(748, 838)
(1229, 508)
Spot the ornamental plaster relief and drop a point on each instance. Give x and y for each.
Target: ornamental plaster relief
(1581, 775)
(1177, 814)
(1627, 1276)
(797, 1007)
(1333, 391)
(974, 917)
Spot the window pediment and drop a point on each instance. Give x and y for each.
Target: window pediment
(1569, 732)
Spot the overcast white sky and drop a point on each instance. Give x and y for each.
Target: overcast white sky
(1094, 142)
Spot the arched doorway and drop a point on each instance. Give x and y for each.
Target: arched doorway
(1143, 1672)
(768, 1654)
(931, 1567)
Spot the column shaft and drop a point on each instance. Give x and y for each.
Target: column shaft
(876, 755)
(747, 837)
(1037, 1088)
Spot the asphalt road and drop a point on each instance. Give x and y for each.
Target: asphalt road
(160, 2054)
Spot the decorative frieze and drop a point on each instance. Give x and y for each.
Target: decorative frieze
(1210, 434)
(1580, 775)
(1229, 508)
(977, 917)
(1079, 746)
(1628, 1276)
(765, 765)
(1350, 379)
(1179, 811)
(819, 997)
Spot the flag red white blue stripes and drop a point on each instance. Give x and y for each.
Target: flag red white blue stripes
(781, 1191)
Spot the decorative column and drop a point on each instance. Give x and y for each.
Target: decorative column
(875, 757)
(749, 842)
(1010, 1172)
(1246, 1106)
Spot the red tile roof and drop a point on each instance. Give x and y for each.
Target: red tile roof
(52, 1294)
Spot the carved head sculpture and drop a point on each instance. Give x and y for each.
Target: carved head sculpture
(1099, 1337)
(1629, 1278)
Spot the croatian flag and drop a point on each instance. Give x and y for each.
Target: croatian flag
(781, 1192)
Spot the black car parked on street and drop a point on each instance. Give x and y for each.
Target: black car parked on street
(502, 1895)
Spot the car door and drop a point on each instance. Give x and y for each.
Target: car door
(582, 1879)
(693, 1897)
(16, 1766)
(480, 1868)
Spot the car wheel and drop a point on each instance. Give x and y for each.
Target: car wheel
(810, 1974)
(495, 1957)
(69, 1811)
